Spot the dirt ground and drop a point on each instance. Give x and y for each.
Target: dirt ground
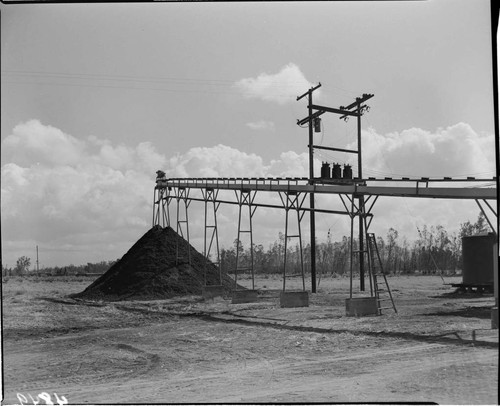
(439, 347)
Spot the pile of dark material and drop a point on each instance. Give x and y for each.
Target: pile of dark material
(150, 270)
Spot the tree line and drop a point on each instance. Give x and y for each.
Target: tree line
(22, 268)
(434, 251)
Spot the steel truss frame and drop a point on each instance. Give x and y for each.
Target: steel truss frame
(293, 201)
(495, 214)
(182, 194)
(245, 197)
(292, 192)
(355, 211)
(161, 212)
(355, 187)
(210, 195)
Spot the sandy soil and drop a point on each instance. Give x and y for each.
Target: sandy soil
(438, 348)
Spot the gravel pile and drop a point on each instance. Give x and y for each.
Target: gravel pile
(149, 271)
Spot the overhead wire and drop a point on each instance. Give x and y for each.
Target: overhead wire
(168, 84)
(115, 77)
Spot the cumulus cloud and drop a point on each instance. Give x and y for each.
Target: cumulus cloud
(223, 161)
(92, 199)
(290, 164)
(56, 187)
(282, 87)
(218, 161)
(261, 125)
(34, 142)
(453, 151)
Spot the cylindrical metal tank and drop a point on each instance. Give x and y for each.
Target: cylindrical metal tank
(336, 171)
(477, 253)
(325, 170)
(347, 172)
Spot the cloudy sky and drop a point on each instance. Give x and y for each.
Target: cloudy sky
(97, 97)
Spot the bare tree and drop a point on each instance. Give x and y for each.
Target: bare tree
(22, 265)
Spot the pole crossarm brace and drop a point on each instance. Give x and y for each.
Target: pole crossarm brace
(312, 89)
(314, 115)
(351, 151)
(358, 101)
(336, 111)
(360, 109)
(343, 111)
(486, 215)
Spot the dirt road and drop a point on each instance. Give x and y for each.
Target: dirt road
(438, 348)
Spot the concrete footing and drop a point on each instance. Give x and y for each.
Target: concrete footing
(211, 291)
(245, 296)
(294, 299)
(494, 318)
(361, 306)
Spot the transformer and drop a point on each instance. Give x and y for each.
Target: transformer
(317, 125)
(347, 172)
(325, 170)
(336, 171)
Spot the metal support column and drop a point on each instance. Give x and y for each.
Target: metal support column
(210, 195)
(245, 197)
(183, 194)
(157, 196)
(363, 215)
(352, 247)
(293, 201)
(161, 204)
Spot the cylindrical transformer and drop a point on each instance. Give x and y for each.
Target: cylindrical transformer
(325, 170)
(347, 172)
(336, 171)
(317, 125)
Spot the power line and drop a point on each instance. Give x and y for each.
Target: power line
(138, 79)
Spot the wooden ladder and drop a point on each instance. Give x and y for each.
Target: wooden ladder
(382, 290)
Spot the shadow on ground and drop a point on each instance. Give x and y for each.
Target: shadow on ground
(478, 312)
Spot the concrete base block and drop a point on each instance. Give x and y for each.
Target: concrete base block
(245, 296)
(294, 299)
(209, 292)
(361, 306)
(494, 318)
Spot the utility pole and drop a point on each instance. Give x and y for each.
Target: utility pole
(311, 182)
(345, 112)
(361, 203)
(37, 259)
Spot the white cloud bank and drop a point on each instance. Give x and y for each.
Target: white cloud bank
(88, 199)
(58, 191)
(453, 151)
(282, 87)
